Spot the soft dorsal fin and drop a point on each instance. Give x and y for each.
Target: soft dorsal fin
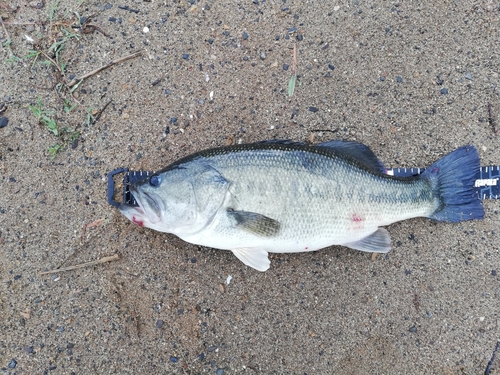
(253, 257)
(356, 151)
(255, 223)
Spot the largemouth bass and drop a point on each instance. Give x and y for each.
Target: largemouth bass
(280, 197)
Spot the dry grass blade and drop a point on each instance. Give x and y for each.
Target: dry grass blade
(83, 265)
(293, 78)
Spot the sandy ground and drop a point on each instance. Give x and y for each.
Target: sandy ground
(412, 81)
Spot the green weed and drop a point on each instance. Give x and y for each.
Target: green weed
(44, 117)
(68, 107)
(54, 149)
(90, 117)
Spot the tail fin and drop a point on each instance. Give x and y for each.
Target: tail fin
(452, 178)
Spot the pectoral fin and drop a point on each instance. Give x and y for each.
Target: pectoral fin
(255, 223)
(377, 242)
(253, 257)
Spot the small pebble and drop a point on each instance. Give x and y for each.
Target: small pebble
(112, 19)
(468, 76)
(285, 66)
(13, 363)
(262, 55)
(494, 273)
(299, 37)
(313, 109)
(413, 329)
(3, 122)
(173, 120)
(444, 91)
(382, 79)
(245, 36)
(174, 359)
(331, 67)
(145, 30)
(159, 323)
(201, 357)
(399, 79)
(219, 371)
(28, 349)
(292, 30)
(185, 56)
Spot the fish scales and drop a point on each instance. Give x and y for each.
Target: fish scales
(286, 197)
(325, 206)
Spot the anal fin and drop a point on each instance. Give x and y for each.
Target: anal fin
(253, 257)
(377, 242)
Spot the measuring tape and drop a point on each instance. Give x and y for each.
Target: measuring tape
(486, 184)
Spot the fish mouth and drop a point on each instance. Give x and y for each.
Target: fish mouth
(149, 203)
(129, 210)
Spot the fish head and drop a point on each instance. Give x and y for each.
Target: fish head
(165, 202)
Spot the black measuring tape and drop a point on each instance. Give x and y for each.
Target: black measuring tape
(486, 184)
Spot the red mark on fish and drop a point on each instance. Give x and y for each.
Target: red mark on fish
(356, 218)
(138, 222)
(358, 221)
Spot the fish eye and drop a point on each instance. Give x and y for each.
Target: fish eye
(155, 180)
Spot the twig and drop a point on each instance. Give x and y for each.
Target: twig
(53, 63)
(21, 23)
(491, 119)
(98, 116)
(91, 225)
(325, 130)
(8, 37)
(490, 363)
(89, 29)
(117, 61)
(82, 265)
